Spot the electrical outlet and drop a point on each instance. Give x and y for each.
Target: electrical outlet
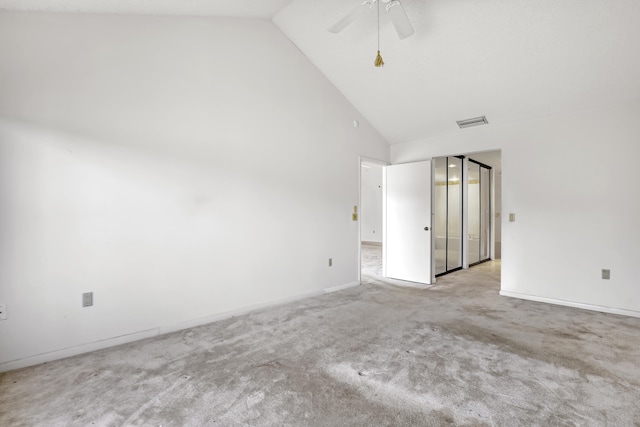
(3, 311)
(606, 274)
(330, 262)
(87, 299)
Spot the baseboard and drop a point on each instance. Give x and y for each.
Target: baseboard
(164, 329)
(341, 287)
(76, 350)
(620, 311)
(398, 282)
(234, 313)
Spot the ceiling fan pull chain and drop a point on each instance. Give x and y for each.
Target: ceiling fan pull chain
(378, 62)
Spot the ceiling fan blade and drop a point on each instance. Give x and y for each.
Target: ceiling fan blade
(348, 19)
(399, 19)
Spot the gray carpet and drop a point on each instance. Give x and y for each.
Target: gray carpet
(374, 355)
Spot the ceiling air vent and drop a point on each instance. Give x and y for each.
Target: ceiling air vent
(476, 121)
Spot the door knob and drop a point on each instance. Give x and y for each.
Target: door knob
(426, 229)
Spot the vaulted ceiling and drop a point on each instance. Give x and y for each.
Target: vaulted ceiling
(510, 60)
(228, 8)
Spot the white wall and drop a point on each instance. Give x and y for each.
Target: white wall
(497, 212)
(371, 203)
(570, 180)
(179, 168)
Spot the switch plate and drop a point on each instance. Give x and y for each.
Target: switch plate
(330, 262)
(606, 274)
(3, 311)
(512, 217)
(87, 299)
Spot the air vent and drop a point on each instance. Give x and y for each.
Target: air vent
(476, 121)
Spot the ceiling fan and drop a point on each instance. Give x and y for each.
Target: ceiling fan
(394, 8)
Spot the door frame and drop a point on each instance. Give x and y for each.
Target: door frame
(361, 160)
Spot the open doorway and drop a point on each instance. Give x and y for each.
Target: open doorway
(467, 210)
(451, 236)
(371, 177)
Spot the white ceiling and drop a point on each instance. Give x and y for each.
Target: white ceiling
(507, 59)
(230, 8)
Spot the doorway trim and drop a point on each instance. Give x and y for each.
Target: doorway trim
(361, 160)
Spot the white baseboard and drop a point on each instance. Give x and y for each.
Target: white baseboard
(74, 351)
(407, 283)
(164, 329)
(341, 287)
(620, 311)
(234, 313)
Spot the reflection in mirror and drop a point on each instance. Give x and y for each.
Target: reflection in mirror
(479, 188)
(448, 214)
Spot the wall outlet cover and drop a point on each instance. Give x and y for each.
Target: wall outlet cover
(87, 299)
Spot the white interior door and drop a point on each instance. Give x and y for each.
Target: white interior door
(407, 222)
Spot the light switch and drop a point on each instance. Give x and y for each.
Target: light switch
(512, 217)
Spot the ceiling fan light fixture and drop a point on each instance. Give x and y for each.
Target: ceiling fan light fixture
(476, 121)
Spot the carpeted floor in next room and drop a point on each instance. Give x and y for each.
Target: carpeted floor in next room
(374, 355)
